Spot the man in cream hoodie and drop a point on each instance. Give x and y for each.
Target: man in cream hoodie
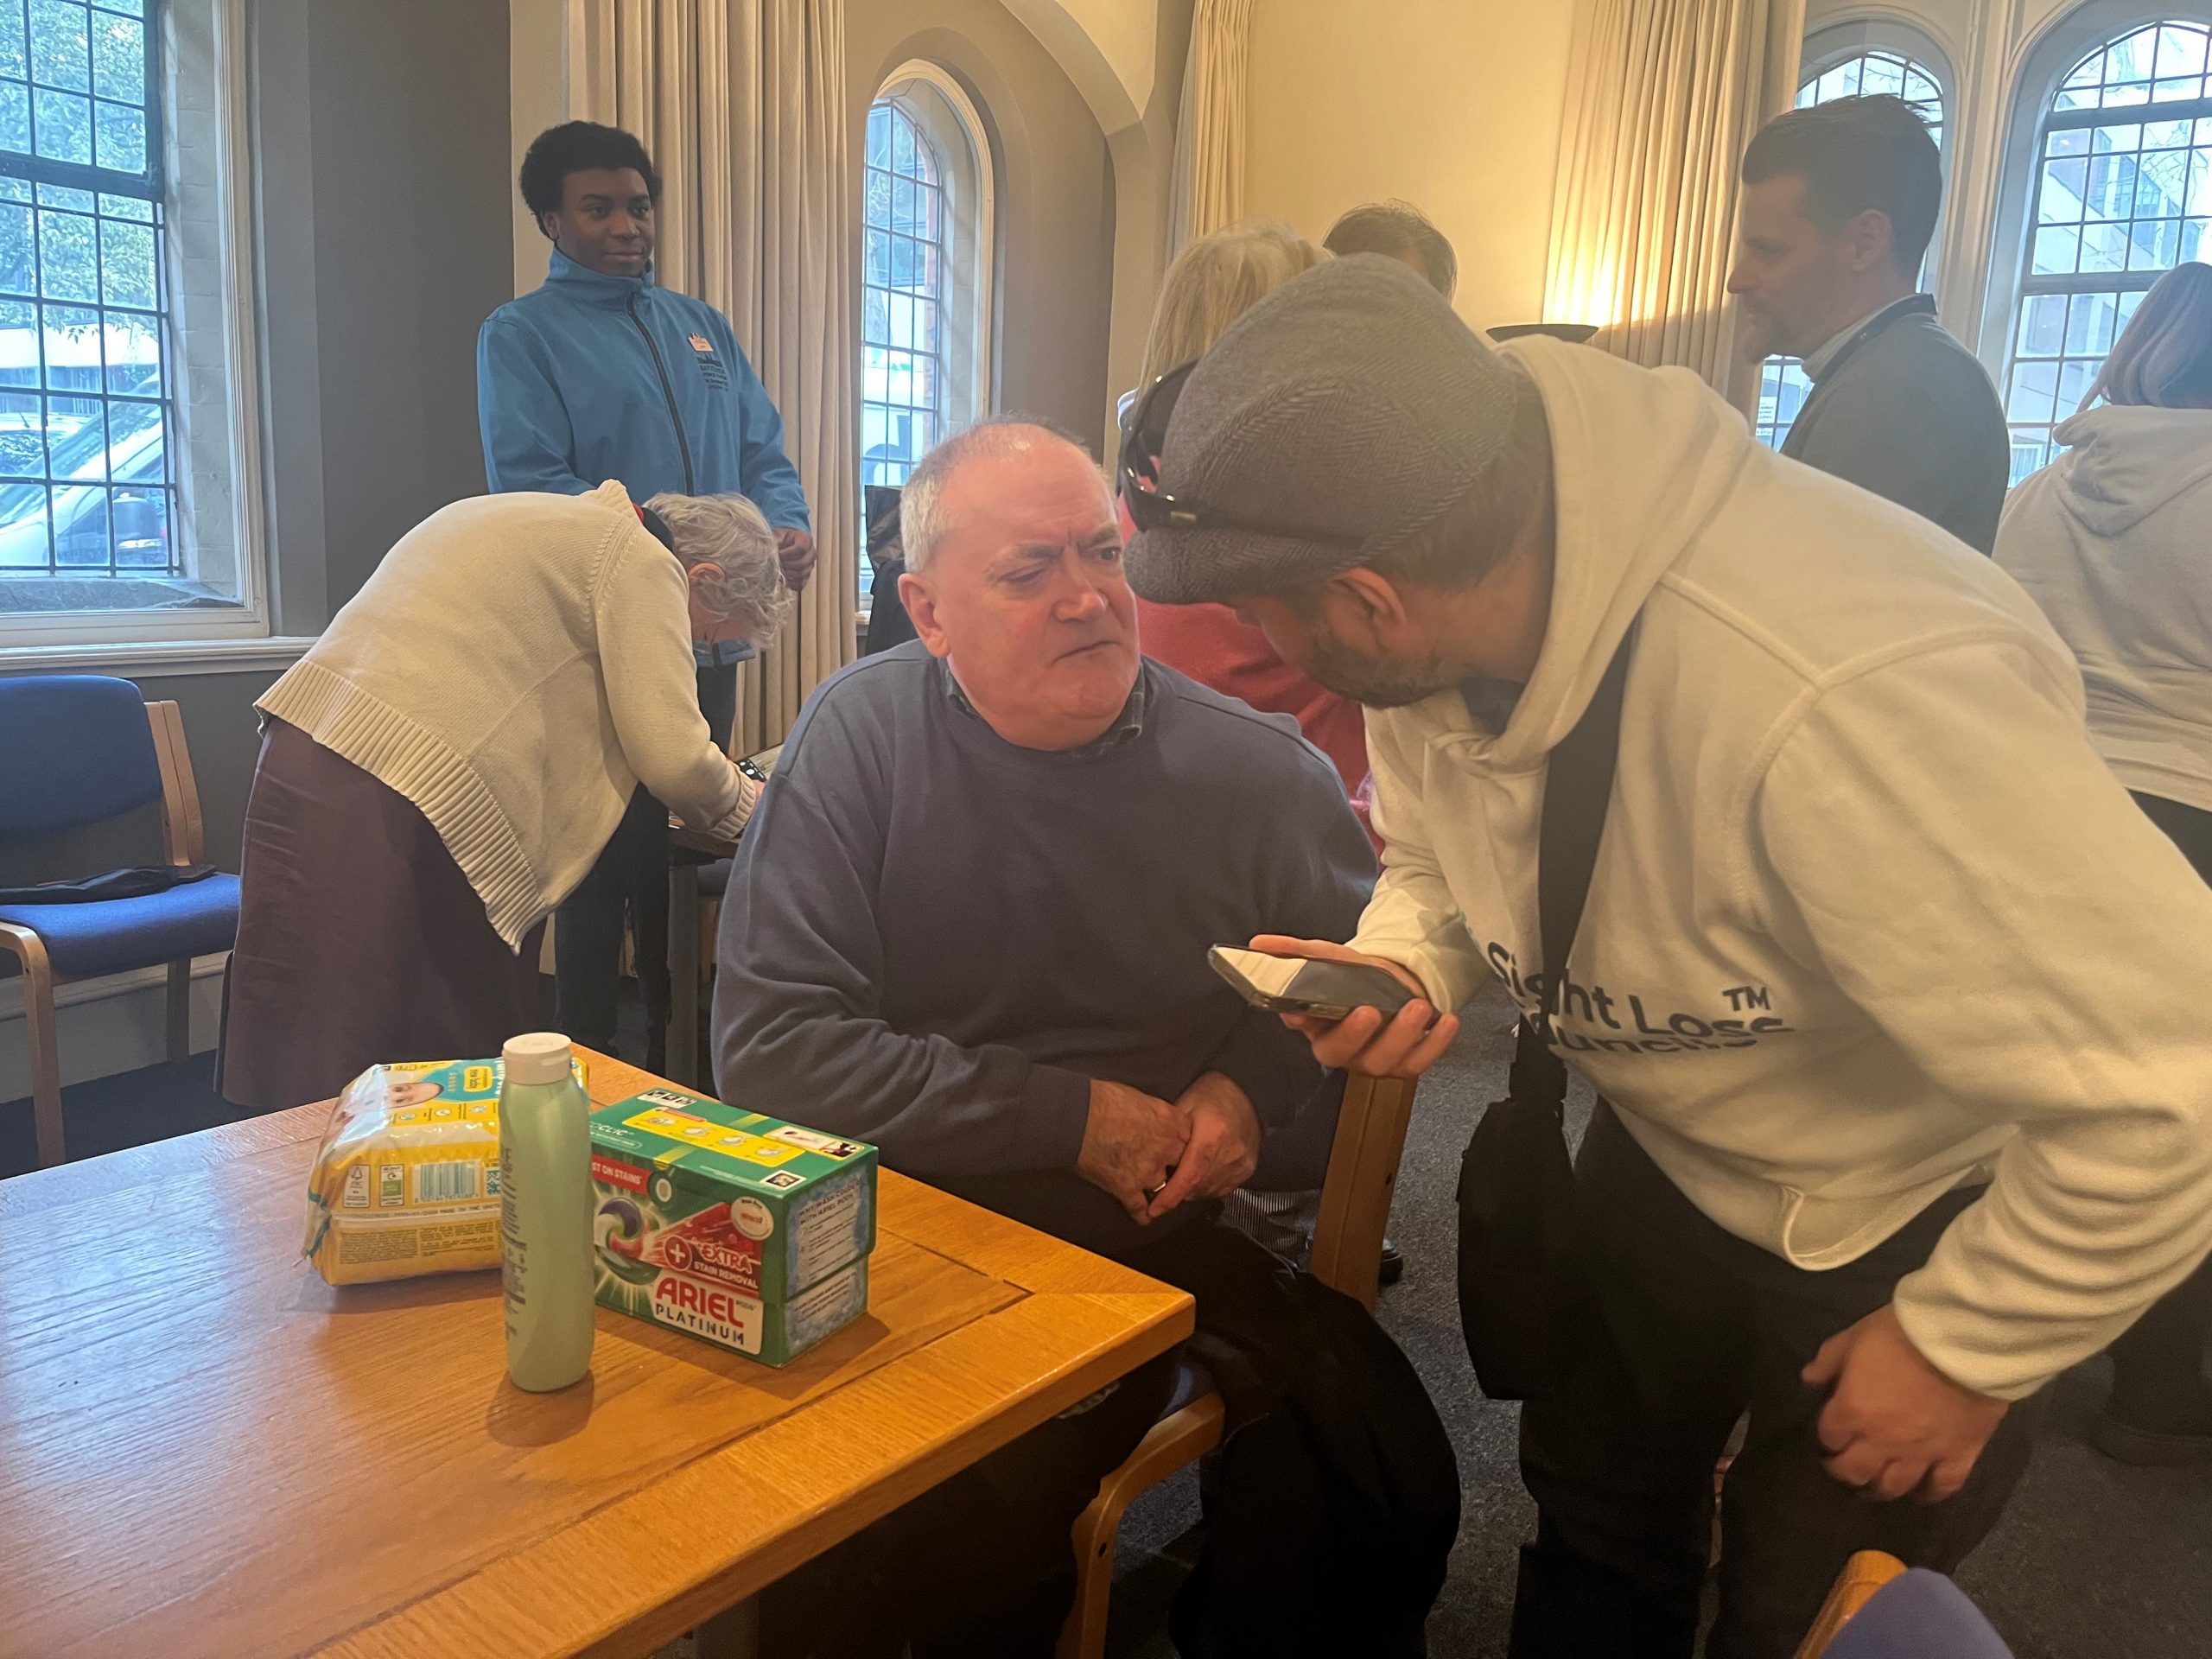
(1892, 994)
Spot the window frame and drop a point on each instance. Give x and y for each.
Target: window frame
(947, 117)
(2079, 34)
(2042, 66)
(58, 638)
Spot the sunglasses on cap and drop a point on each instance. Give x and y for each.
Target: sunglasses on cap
(1152, 508)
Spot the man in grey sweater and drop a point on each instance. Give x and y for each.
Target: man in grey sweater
(1839, 201)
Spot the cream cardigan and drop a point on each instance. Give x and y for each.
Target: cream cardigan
(516, 666)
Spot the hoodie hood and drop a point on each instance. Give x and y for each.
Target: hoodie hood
(2123, 463)
(1641, 458)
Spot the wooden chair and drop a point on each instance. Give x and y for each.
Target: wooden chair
(1347, 1256)
(72, 753)
(1862, 1575)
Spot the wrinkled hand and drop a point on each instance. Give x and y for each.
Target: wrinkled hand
(1224, 1145)
(1130, 1143)
(1894, 1424)
(795, 552)
(1367, 1040)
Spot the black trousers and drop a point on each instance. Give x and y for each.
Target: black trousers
(2158, 1366)
(1691, 1327)
(982, 1566)
(626, 891)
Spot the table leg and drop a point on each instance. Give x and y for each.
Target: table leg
(683, 973)
(733, 1635)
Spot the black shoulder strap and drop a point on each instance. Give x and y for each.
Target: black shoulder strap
(1578, 785)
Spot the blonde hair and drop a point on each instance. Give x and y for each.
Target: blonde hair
(2164, 357)
(1217, 280)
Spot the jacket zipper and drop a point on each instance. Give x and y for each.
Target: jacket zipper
(667, 390)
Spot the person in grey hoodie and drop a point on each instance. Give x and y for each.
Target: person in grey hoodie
(2113, 539)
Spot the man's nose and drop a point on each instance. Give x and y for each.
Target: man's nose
(1738, 282)
(1081, 600)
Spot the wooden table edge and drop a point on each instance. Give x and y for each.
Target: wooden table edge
(642, 1613)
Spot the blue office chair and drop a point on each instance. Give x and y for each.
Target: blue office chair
(78, 749)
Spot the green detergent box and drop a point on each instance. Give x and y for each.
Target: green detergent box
(732, 1226)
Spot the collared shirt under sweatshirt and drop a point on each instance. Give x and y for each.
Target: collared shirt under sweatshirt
(590, 377)
(934, 939)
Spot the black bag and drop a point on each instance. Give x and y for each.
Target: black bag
(1520, 1276)
(1332, 1506)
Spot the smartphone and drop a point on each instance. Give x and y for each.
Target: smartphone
(758, 766)
(1328, 990)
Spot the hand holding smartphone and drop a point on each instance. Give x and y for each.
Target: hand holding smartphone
(1359, 1011)
(1326, 990)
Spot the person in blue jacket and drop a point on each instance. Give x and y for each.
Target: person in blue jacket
(603, 373)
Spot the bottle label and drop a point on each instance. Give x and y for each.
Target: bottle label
(513, 1262)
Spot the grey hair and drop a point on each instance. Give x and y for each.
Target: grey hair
(1000, 436)
(729, 535)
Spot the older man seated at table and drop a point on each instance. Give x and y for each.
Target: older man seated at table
(970, 924)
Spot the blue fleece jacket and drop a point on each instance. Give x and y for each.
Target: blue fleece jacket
(590, 377)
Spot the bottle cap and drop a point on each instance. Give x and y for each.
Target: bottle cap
(537, 1056)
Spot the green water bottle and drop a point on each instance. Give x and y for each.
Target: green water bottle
(546, 1213)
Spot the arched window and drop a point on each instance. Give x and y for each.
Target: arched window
(926, 273)
(2122, 192)
(1784, 386)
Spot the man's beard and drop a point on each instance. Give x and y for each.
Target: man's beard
(1377, 685)
(1755, 340)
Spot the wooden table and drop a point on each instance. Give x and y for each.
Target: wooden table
(204, 1450)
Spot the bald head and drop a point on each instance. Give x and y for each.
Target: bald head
(1013, 577)
(922, 520)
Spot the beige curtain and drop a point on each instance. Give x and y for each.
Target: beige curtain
(1207, 191)
(1662, 95)
(741, 103)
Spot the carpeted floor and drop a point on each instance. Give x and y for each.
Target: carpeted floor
(2094, 1560)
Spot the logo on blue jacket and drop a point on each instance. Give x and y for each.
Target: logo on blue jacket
(710, 366)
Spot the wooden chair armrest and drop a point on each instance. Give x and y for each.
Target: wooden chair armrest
(184, 834)
(23, 944)
(1862, 1575)
(1362, 1178)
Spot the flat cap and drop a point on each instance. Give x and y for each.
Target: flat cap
(1352, 402)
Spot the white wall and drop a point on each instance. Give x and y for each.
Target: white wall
(1452, 104)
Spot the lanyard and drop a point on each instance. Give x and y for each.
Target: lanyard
(1919, 305)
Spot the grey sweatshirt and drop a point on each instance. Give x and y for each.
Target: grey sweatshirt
(934, 940)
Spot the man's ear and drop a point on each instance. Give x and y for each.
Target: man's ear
(1870, 239)
(919, 598)
(549, 225)
(1365, 607)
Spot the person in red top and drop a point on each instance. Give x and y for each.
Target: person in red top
(1212, 283)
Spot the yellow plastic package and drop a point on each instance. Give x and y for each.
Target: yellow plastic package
(406, 1181)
